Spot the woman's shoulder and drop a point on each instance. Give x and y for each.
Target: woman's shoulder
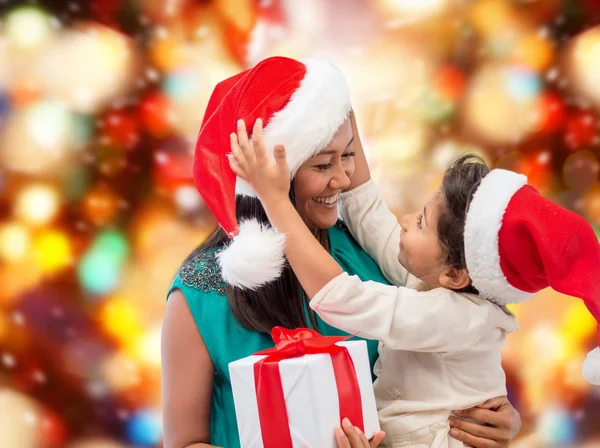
(339, 231)
(200, 275)
(340, 239)
(351, 257)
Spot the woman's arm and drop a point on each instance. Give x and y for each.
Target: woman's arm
(187, 378)
(502, 419)
(362, 174)
(369, 219)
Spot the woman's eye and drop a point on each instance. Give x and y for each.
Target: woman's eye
(420, 222)
(323, 167)
(350, 154)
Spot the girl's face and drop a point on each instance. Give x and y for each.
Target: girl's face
(320, 180)
(420, 249)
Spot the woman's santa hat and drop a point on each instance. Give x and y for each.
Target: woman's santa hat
(518, 243)
(302, 106)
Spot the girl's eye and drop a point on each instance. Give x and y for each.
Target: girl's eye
(323, 167)
(420, 222)
(350, 154)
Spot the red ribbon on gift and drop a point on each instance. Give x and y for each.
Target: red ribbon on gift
(272, 411)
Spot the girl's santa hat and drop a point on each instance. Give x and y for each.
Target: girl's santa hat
(518, 243)
(302, 106)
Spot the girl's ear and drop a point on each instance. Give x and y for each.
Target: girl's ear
(453, 278)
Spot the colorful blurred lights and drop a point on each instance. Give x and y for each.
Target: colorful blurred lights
(188, 199)
(14, 242)
(502, 104)
(36, 138)
(149, 348)
(100, 268)
(414, 7)
(121, 321)
(96, 64)
(179, 84)
(53, 251)
(523, 84)
(534, 50)
(99, 272)
(28, 27)
(114, 243)
(121, 372)
(578, 324)
(585, 62)
(101, 205)
(551, 112)
(37, 204)
(4, 105)
(48, 124)
(556, 427)
(145, 428)
(581, 130)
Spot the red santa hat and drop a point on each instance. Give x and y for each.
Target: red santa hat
(302, 106)
(518, 243)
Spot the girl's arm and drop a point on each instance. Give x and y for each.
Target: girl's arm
(187, 378)
(402, 318)
(311, 263)
(375, 228)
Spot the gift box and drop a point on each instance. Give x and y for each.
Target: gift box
(297, 393)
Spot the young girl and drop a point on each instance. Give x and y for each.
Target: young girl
(481, 241)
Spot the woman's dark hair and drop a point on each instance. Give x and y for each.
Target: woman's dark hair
(461, 180)
(281, 302)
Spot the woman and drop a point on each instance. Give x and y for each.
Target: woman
(226, 297)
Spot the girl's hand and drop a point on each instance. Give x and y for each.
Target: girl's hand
(502, 421)
(350, 436)
(250, 161)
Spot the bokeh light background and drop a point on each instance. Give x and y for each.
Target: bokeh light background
(100, 102)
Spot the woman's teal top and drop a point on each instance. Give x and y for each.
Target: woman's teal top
(226, 340)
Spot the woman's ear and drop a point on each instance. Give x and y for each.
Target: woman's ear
(453, 278)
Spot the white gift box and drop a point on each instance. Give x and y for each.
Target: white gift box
(311, 397)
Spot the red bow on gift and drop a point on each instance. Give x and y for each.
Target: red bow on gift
(272, 411)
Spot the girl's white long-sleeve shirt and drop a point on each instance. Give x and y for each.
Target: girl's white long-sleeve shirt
(439, 351)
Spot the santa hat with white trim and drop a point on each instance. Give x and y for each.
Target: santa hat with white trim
(518, 243)
(302, 106)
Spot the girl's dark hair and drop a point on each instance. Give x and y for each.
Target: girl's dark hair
(461, 180)
(281, 302)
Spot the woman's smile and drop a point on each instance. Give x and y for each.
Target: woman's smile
(327, 201)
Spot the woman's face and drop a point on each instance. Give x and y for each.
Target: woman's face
(320, 180)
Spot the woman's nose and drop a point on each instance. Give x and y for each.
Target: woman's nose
(340, 179)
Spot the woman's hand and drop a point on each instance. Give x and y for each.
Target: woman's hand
(349, 436)
(250, 161)
(503, 423)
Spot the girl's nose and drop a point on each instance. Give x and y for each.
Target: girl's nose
(404, 223)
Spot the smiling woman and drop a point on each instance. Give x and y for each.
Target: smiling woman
(231, 319)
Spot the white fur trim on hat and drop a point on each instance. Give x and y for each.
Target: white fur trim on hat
(320, 105)
(591, 367)
(255, 256)
(483, 223)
